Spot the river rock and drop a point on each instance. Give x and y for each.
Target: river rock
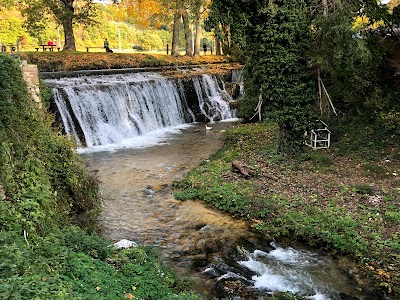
(233, 286)
(125, 244)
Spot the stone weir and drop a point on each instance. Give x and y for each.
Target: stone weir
(110, 106)
(209, 68)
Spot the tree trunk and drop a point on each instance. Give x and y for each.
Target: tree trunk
(197, 43)
(226, 42)
(217, 46)
(324, 4)
(175, 33)
(69, 43)
(188, 34)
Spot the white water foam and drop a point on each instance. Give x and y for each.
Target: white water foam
(153, 138)
(109, 112)
(213, 100)
(288, 270)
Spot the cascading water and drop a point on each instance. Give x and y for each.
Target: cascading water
(285, 269)
(296, 271)
(213, 100)
(114, 109)
(237, 77)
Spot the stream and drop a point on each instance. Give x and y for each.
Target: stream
(220, 252)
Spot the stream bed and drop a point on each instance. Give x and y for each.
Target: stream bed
(221, 253)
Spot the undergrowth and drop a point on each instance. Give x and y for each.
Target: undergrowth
(365, 137)
(71, 264)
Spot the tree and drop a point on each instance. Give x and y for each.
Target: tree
(145, 14)
(227, 19)
(176, 29)
(153, 13)
(187, 31)
(6, 3)
(198, 9)
(186, 14)
(346, 55)
(277, 73)
(65, 12)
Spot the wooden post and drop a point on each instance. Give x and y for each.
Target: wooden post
(167, 49)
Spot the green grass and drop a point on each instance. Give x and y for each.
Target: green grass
(334, 223)
(71, 264)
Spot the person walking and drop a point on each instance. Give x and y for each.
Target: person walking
(205, 48)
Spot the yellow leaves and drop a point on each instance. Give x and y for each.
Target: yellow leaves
(130, 295)
(360, 22)
(384, 274)
(72, 61)
(144, 11)
(118, 12)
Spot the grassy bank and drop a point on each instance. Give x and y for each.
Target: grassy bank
(337, 199)
(73, 61)
(45, 191)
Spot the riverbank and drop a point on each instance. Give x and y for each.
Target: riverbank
(78, 61)
(343, 200)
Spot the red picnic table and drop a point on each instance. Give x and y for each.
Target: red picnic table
(47, 46)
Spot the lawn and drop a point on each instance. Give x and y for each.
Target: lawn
(73, 61)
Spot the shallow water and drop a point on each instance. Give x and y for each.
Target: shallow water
(136, 184)
(139, 206)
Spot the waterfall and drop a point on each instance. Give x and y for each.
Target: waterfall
(213, 100)
(237, 77)
(110, 109)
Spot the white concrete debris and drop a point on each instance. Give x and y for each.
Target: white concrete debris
(125, 244)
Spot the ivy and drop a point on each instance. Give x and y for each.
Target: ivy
(277, 71)
(44, 181)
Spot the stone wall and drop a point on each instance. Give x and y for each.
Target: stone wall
(30, 74)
